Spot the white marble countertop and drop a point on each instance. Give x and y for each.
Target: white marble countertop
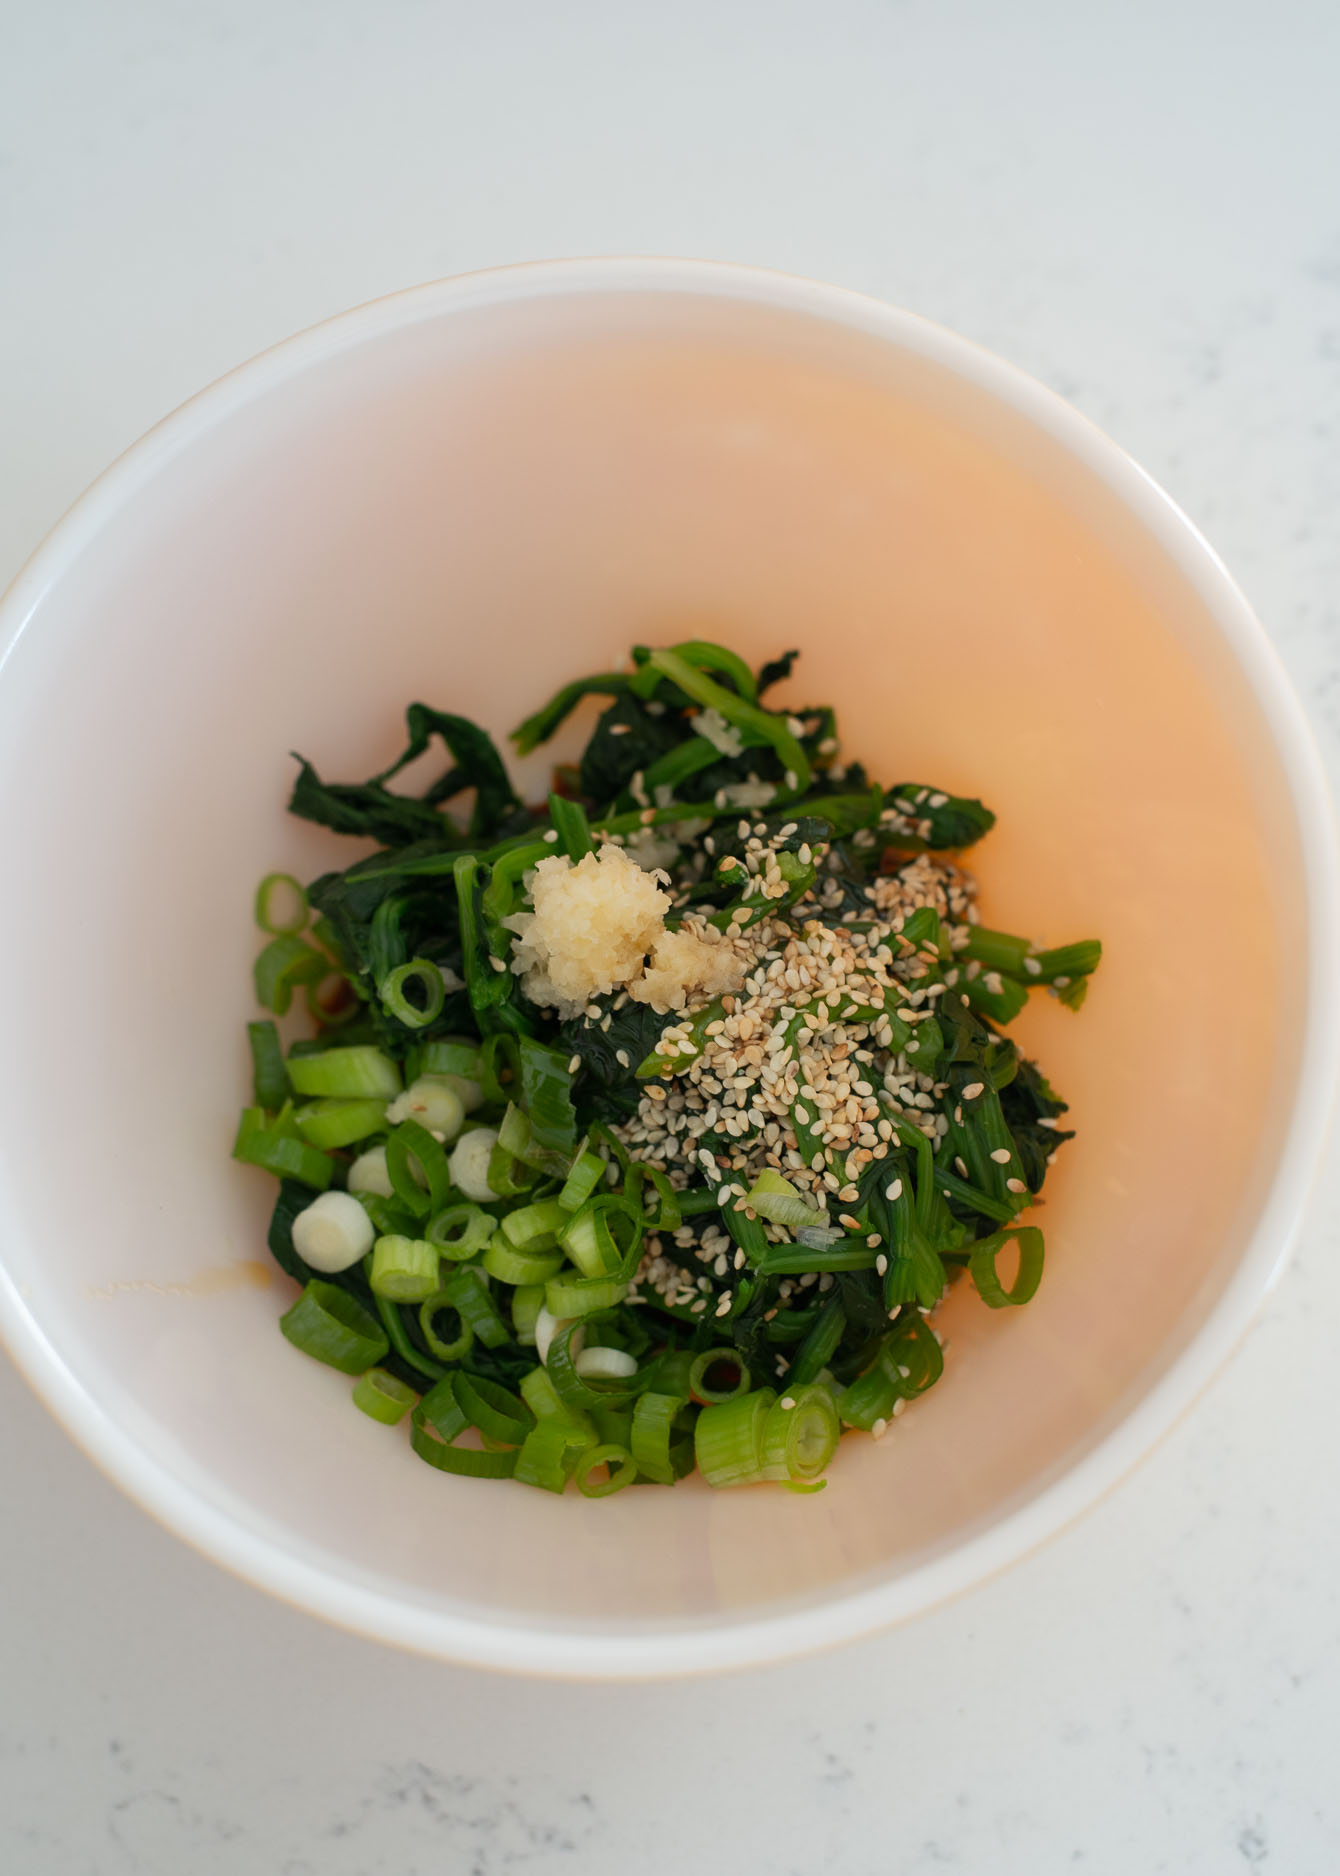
(1136, 202)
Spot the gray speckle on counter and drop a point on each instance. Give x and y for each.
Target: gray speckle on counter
(1138, 205)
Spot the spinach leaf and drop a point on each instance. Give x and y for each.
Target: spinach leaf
(1024, 1102)
(776, 671)
(939, 819)
(603, 1088)
(372, 809)
(626, 741)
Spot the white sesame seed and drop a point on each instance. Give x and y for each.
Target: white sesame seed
(574, 1064)
(973, 1089)
(1015, 1185)
(787, 1402)
(879, 1429)
(1001, 1155)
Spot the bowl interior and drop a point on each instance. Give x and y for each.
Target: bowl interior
(467, 503)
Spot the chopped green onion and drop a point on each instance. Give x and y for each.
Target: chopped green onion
(468, 1289)
(404, 1270)
(913, 1351)
(542, 1397)
(281, 905)
(535, 1227)
(800, 1435)
(269, 1079)
(657, 1419)
(495, 1411)
(357, 1070)
(446, 1057)
(434, 1103)
(580, 1296)
(430, 1313)
(469, 1164)
(335, 1123)
(414, 1160)
(586, 1177)
(728, 1438)
(982, 1267)
(571, 1389)
(589, 1239)
(460, 1231)
(332, 1326)
(424, 976)
(621, 1470)
(613, 1425)
(382, 1397)
(333, 1233)
(527, 1302)
(710, 1363)
(514, 1134)
(599, 1362)
(519, 1267)
(389, 1221)
(396, 1334)
(549, 1452)
(276, 1150)
(282, 966)
(508, 1176)
(434, 1432)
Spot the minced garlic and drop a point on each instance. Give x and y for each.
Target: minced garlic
(687, 963)
(593, 929)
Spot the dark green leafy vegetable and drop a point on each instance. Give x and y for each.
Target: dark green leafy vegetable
(741, 1225)
(370, 808)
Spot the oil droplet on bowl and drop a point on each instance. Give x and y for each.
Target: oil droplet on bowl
(214, 1280)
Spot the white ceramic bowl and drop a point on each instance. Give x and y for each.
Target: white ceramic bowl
(467, 493)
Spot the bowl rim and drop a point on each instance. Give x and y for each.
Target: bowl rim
(726, 1640)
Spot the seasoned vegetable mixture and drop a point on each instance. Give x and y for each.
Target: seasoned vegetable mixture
(645, 1130)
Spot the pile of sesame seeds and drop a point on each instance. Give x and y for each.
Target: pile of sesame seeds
(781, 1053)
